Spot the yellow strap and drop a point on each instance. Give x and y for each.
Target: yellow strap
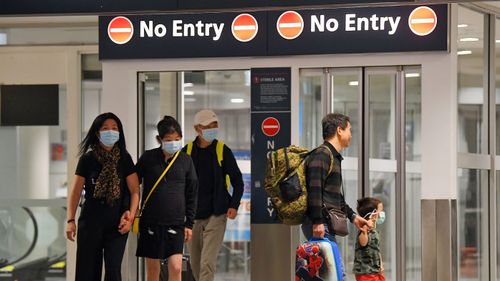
(158, 181)
(219, 150)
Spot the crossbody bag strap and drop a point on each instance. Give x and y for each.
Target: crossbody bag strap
(330, 170)
(158, 181)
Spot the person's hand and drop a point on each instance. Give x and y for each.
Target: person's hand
(365, 229)
(188, 233)
(71, 231)
(125, 223)
(125, 227)
(319, 230)
(359, 222)
(231, 213)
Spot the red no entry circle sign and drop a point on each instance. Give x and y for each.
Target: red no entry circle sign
(270, 126)
(244, 27)
(120, 30)
(290, 25)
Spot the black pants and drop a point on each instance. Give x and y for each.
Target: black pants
(98, 238)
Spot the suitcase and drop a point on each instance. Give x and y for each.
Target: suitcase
(318, 260)
(187, 274)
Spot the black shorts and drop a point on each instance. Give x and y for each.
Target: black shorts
(160, 241)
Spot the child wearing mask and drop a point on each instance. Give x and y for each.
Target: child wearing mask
(368, 265)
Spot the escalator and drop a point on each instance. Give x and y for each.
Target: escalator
(32, 245)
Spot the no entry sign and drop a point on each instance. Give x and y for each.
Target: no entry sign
(290, 25)
(120, 30)
(422, 21)
(244, 27)
(271, 126)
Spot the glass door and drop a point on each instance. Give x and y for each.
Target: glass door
(182, 94)
(381, 88)
(383, 159)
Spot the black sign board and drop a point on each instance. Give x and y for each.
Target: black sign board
(328, 31)
(174, 36)
(29, 105)
(270, 129)
(270, 89)
(23, 7)
(364, 30)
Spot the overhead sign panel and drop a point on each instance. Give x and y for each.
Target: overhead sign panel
(302, 32)
(184, 35)
(383, 29)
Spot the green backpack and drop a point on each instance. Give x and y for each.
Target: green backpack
(285, 182)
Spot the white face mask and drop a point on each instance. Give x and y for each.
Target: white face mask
(171, 147)
(210, 134)
(109, 137)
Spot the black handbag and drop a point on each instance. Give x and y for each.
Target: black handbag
(337, 218)
(337, 221)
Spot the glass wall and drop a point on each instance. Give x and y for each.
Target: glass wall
(310, 115)
(472, 94)
(413, 127)
(227, 93)
(473, 224)
(33, 176)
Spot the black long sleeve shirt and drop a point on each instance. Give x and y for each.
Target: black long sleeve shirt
(323, 188)
(173, 202)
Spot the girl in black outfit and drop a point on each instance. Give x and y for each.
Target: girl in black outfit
(168, 216)
(106, 172)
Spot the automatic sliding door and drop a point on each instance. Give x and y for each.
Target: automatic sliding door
(346, 92)
(381, 89)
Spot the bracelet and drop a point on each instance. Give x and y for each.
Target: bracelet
(70, 221)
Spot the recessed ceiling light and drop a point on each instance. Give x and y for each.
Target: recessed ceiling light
(462, 25)
(412, 75)
(188, 93)
(464, 52)
(237, 100)
(188, 85)
(353, 83)
(150, 88)
(469, 39)
(190, 99)
(497, 41)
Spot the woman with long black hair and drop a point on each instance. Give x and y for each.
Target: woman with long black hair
(107, 174)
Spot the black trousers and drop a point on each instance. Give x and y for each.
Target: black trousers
(97, 239)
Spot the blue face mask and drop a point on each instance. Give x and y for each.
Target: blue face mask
(109, 137)
(381, 217)
(171, 147)
(210, 134)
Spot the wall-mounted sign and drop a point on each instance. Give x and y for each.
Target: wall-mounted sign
(270, 129)
(326, 31)
(22, 7)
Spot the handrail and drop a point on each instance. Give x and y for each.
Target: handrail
(35, 238)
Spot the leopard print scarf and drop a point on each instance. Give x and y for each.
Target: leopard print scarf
(108, 183)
